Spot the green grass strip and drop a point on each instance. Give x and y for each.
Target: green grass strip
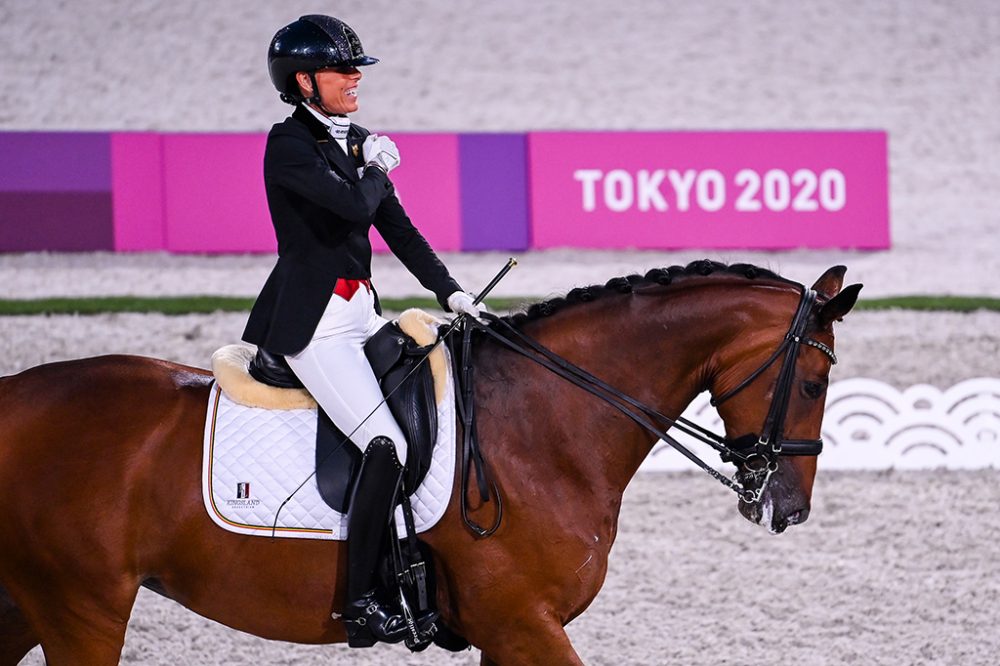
(108, 304)
(178, 305)
(932, 303)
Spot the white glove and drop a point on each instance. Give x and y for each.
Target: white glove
(463, 303)
(380, 151)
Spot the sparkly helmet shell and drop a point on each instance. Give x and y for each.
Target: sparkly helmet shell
(313, 42)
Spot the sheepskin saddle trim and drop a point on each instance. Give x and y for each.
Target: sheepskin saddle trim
(230, 363)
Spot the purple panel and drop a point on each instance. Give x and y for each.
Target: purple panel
(59, 221)
(494, 191)
(55, 162)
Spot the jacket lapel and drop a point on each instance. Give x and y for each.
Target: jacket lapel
(334, 155)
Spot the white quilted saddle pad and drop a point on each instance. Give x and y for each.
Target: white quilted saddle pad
(255, 458)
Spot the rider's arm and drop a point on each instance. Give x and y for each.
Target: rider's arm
(410, 246)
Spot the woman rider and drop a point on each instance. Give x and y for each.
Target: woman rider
(327, 183)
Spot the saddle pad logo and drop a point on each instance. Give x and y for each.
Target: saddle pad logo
(243, 499)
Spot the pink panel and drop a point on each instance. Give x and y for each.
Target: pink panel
(137, 191)
(214, 193)
(767, 190)
(427, 185)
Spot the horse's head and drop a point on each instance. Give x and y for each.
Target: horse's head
(770, 389)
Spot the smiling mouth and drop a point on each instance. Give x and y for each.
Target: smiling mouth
(353, 92)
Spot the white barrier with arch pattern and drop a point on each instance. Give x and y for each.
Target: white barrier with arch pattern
(872, 425)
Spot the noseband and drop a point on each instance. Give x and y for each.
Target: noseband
(756, 456)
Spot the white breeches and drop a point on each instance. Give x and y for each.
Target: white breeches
(334, 369)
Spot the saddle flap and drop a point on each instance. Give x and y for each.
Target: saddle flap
(337, 462)
(385, 349)
(411, 400)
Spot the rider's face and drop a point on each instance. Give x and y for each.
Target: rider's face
(338, 88)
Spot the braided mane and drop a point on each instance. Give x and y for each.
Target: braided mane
(656, 276)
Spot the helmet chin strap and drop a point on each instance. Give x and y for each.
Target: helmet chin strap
(339, 123)
(315, 99)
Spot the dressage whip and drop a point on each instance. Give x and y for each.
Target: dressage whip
(511, 263)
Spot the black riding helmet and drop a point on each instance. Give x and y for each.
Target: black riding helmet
(313, 42)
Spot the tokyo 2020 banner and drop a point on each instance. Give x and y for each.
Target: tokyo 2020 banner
(768, 190)
(657, 190)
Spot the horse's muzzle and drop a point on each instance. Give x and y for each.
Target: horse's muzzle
(781, 505)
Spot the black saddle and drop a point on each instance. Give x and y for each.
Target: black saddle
(392, 355)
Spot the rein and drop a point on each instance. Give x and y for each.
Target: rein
(757, 454)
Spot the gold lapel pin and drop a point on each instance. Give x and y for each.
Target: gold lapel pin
(354, 149)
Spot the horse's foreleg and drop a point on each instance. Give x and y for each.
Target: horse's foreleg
(529, 643)
(76, 626)
(68, 639)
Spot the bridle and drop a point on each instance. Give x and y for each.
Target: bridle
(756, 456)
(759, 454)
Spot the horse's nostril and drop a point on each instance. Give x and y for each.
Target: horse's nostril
(798, 517)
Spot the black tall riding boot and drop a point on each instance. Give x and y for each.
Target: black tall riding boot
(373, 504)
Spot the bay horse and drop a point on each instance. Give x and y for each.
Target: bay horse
(100, 466)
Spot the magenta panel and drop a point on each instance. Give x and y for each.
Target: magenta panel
(766, 190)
(427, 183)
(214, 197)
(137, 191)
(214, 200)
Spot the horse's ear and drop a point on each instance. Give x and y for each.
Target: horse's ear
(835, 308)
(829, 284)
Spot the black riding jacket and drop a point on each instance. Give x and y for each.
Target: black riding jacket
(322, 211)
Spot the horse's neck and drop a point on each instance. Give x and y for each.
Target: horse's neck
(644, 349)
(655, 349)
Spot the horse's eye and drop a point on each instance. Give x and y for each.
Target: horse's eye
(813, 390)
